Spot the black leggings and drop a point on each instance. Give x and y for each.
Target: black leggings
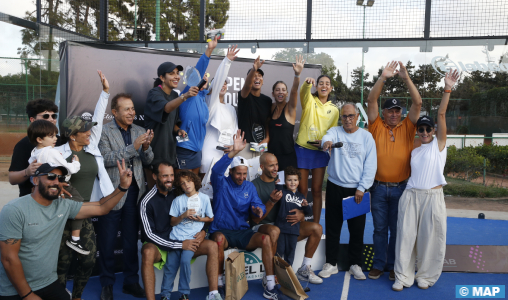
(86, 263)
(54, 291)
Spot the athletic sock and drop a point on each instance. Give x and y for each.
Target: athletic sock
(221, 280)
(210, 295)
(306, 261)
(270, 282)
(75, 238)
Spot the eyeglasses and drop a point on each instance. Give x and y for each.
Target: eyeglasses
(392, 138)
(351, 116)
(53, 176)
(46, 116)
(424, 128)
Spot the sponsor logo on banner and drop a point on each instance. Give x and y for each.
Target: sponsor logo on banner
(479, 291)
(254, 268)
(442, 64)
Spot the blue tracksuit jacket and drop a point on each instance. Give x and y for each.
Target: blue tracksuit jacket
(232, 203)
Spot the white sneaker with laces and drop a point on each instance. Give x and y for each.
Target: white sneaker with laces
(305, 273)
(328, 270)
(423, 285)
(357, 272)
(397, 286)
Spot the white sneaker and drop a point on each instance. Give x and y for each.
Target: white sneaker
(357, 272)
(397, 286)
(328, 270)
(305, 273)
(215, 297)
(423, 285)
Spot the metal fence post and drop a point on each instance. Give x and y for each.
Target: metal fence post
(202, 20)
(484, 171)
(103, 21)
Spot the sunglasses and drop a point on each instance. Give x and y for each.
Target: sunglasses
(392, 137)
(53, 176)
(46, 116)
(425, 128)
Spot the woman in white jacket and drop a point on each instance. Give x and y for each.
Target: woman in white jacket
(92, 182)
(421, 223)
(222, 123)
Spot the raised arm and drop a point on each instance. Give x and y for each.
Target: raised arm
(250, 78)
(373, 108)
(104, 206)
(220, 76)
(100, 111)
(416, 99)
(211, 45)
(450, 79)
(293, 96)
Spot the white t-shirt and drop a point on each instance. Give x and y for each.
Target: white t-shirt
(427, 166)
(53, 157)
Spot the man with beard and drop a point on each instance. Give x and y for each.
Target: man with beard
(156, 227)
(31, 229)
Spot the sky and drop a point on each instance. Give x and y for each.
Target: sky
(346, 59)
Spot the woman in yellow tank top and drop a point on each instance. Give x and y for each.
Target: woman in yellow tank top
(318, 115)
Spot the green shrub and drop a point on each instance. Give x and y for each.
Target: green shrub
(465, 162)
(459, 187)
(497, 156)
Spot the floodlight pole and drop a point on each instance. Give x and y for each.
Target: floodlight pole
(157, 20)
(361, 119)
(135, 20)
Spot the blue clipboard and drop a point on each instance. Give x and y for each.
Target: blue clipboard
(351, 209)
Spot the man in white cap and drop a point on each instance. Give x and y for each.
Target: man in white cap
(234, 200)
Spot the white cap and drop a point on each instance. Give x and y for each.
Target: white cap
(239, 161)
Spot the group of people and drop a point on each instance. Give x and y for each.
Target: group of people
(150, 178)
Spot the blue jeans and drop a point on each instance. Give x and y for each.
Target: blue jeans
(385, 208)
(125, 219)
(177, 259)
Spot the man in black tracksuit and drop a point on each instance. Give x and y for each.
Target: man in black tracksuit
(156, 226)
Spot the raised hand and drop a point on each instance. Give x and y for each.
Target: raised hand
(232, 52)
(193, 91)
(275, 196)
(310, 80)
(298, 66)
(304, 202)
(140, 140)
(257, 211)
(451, 79)
(239, 142)
(257, 63)
(148, 139)
(390, 69)
(212, 43)
(403, 73)
(104, 81)
(125, 175)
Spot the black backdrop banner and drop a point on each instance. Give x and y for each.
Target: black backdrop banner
(132, 70)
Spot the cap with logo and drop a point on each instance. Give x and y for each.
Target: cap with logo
(391, 103)
(258, 70)
(46, 168)
(425, 120)
(239, 161)
(75, 124)
(167, 67)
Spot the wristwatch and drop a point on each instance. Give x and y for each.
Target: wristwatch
(183, 97)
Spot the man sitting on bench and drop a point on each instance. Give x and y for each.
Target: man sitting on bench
(234, 199)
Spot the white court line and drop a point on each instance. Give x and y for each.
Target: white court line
(345, 287)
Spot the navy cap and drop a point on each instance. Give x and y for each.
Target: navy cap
(46, 168)
(391, 103)
(425, 120)
(167, 67)
(259, 70)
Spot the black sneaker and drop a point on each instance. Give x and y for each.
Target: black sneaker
(76, 246)
(134, 289)
(184, 297)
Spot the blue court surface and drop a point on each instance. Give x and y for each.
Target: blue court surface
(460, 231)
(332, 288)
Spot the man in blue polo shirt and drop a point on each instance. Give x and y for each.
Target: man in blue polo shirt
(234, 200)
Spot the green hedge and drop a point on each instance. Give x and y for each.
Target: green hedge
(469, 161)
(490, 103)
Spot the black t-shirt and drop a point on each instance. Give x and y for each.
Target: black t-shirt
(162, 123)
(253, 110)
(19, 162)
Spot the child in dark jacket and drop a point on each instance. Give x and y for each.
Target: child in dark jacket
(291, 199)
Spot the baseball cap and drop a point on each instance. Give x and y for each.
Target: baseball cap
(391, 103)
(239, 161)
(425, 120)
(47, 168)
(259, 70)
(167, 67)
(74, 124)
